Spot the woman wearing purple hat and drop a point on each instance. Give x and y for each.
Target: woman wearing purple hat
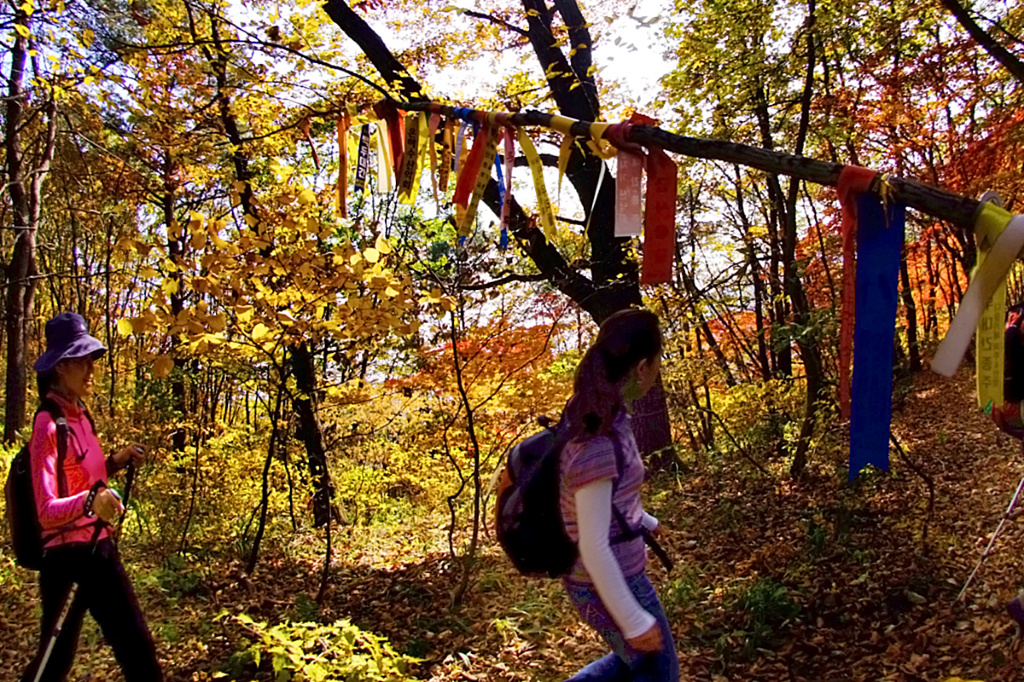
(75, 509)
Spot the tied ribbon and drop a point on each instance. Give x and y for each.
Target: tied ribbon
(343, 124)
(547, 216)
(408, 176)
(389, 113)
(628, 188)
(1005, 245)
(659, 218)
(362, 159)
(435, 121)
(468, 173)
(446, 154)
(853, 181)
(385, 176)
(879, 249)
(989, 340)
(459, 140)
(510, 157)
(304, 127)
(564, 151)
(490, 136)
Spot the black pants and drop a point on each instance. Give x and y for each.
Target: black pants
(105, 592)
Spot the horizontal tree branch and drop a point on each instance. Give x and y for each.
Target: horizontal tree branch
(507, 279)
(929, 199)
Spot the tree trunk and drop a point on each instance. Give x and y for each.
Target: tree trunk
(24, 186)
(310, 432)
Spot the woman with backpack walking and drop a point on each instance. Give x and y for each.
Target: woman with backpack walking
(601, 473)
(75, 509)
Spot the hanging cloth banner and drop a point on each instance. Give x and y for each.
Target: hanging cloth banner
(988, 277)
(385, 177)
(501, 182)
(627, 193)
(304, 127)
(431, 141)
(389, 113)
(989, 337)
(510, 157)
(459, 139)
(659, 218)
(408, 178)
(468, 172)
(879, 249)
(490, 136)
(446, 154)
(362, 160)
(547, 216)
(563, 160)
(343, 123)
(853, 180)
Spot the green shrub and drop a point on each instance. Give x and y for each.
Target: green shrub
(311, 652)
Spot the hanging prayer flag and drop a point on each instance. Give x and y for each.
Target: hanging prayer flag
(659, 218)
(409, 174)
(564, 151)
(879, 249)
(988, 277)
(468, 172)
(395, 128)
(989, 341)
(853, 180)
(435, 120)
(547, 216)
(385, 179)
(459, 139)
(490, 135)
(510, 155)
(627, 194)
(446, 154)
(343, 122)
(304, 127)
(363, 159)
(501, 183)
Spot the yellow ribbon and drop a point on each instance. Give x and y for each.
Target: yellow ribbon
(385, 177)
(482, 178)
(409, 176)
(547, 216)
(562, 124)
(597, 144)
(563, 159)
(989, 334)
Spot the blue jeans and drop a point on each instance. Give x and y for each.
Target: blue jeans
(625, 663)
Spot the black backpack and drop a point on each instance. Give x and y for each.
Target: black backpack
(22, 519)
(528, 514)
(1013, 362)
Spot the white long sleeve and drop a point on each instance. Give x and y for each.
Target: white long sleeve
(649, 522)
(594, 514)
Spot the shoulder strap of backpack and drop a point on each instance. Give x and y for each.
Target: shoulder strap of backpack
(50, 405)
(628, 533)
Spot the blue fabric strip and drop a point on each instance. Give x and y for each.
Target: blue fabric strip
(879, 248)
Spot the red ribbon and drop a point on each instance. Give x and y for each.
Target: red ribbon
(853, 181)
(396, 131)
(659, 218)
(470, 170)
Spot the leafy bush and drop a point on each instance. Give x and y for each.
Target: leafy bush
(313, 652)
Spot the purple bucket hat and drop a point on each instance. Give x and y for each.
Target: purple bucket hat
(67, 336)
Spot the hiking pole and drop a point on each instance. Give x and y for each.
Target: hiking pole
(991, 542)
(65, 608)
(129, 479)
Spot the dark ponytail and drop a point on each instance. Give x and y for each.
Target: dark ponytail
(44, 383)
(625, 338)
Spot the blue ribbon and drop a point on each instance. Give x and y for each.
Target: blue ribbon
(879, 248)
(501, 182)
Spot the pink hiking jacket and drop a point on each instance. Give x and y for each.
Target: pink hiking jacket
(61, 489)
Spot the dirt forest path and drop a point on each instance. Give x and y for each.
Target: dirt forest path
(775, 580)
